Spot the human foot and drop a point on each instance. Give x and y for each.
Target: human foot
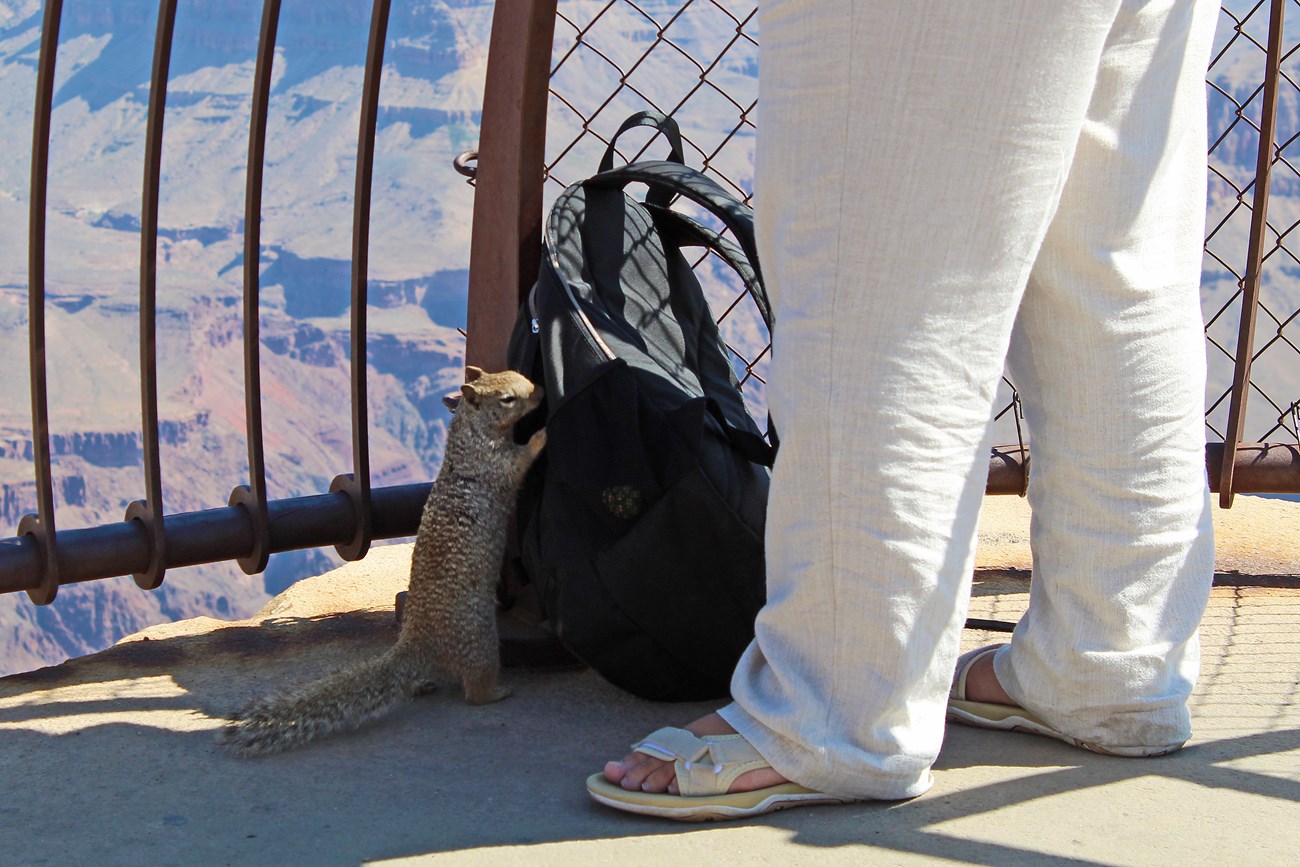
(982, 683)
(977, 699)
(639, 772)
(722, 776)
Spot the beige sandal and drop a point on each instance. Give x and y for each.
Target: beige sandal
(706, 767)
(1013, 718)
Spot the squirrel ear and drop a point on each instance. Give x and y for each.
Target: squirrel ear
(472, 373)
(451, 401)
(471, 394)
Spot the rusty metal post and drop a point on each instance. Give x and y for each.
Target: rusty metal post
(505, 247)
(507, 230)
(41, 525)
(149, 512)
(1255, 256)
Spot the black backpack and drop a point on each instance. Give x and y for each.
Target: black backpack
(642, 522)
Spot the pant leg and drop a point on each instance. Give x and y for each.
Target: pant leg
(1109, 355)
(909, 165)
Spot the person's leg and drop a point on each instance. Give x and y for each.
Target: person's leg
(909, 164)
(1109, 354)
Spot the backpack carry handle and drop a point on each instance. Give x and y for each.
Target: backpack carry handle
(659, 121)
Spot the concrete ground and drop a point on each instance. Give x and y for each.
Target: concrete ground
(110, 759)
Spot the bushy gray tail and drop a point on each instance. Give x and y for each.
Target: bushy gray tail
(344, 700)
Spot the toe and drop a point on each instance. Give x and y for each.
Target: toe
(660, 780)
(616, 772)
(631, 773)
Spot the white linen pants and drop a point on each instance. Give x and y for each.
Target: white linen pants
(942, 188)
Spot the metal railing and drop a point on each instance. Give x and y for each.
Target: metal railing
(251, 527)
(535, 49)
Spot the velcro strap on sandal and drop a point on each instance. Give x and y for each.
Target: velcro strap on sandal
(704, 766)
(670, 744)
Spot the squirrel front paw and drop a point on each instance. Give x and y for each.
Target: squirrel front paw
(537, 441)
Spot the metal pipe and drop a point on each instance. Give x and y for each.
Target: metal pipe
(1258, 468)
(321, 520)
(40, 527)
(149, 512)
(1261, 468)
(1008, 470)
(1227, 485)
(252, 496)
(211, 536)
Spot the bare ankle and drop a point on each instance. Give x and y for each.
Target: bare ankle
(982, 683)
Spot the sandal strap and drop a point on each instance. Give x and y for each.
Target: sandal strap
(705, 765)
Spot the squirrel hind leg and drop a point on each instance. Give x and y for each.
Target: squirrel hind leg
(481, 687)
(424, 686)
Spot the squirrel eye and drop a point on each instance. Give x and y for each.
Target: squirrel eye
(509, 398)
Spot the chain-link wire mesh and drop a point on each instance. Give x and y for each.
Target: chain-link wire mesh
(698, 61)
(1236, 96)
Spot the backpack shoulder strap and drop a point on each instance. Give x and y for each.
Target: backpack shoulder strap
(687, 232)
(675, 179)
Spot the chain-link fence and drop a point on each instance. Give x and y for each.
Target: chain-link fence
(560, 81)
(698, 61)
(1236, 107)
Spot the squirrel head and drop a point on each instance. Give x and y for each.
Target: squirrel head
(496, 399)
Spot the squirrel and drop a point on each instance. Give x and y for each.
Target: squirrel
(448, 626)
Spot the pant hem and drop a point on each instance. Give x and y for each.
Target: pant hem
(811, 768)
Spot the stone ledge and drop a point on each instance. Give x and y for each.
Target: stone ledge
(1258, 536)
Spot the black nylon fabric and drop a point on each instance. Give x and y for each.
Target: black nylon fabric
(642, 522)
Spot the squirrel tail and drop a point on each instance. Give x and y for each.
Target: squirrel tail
(341, 701)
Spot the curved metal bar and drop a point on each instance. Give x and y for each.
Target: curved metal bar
(1255, 257)
(357, 484)
(149, 512)
(462, 163)
(41, 525)
(253, 495)
(505, 247)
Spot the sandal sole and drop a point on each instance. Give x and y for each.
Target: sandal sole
(684, 808)
(1010, 718)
